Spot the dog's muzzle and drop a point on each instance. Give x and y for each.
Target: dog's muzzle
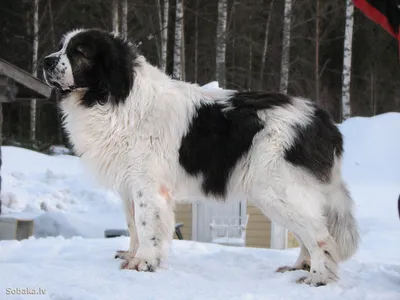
(49, 63)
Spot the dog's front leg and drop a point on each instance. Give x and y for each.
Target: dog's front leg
(129, 210)
(154, 219)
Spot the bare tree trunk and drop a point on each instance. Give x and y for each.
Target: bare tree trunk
(265, 46)
(35, 47)
(163, 17)
(233, 21)
(115, 27)
(196, 42)
(53, 37)
(348, 38)
(177, 72)
(53, 43)
(183, 56)
(221, 43)
(317, 55)
(286, 47)
(250, 68)
(124, 19)
(161, 30)
(279, 234)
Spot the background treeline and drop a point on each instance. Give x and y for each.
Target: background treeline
(252, 39)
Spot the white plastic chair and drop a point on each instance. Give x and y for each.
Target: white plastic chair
(230, 231)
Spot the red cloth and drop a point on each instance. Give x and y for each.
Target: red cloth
(383, 12)
(386, 13)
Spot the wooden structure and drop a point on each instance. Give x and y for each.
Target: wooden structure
(17, 85)
(259, 229)
(12, 228)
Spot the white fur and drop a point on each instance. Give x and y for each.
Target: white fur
(133, 149)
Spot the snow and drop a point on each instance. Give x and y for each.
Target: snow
(70, 258)
(59, 149)
(211, 85)
(232, 241)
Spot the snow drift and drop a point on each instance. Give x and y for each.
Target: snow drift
(74, 261)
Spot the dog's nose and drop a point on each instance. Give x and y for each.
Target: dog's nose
(49, 62)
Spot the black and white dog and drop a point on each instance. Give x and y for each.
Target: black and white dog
(159, 141)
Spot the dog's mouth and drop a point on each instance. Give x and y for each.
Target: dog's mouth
(55, 84)
(62, 89)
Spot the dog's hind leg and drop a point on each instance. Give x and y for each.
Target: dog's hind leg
(303, 261)
(299, 208)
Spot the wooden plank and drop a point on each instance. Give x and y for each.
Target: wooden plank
(258, 232)
(15, 229)
(8, 89)
(255, 240)
(24, 78)
(292, 241)
(258, 228)
(183, 208)
(183, 214)
(259, 218)
(5, 99)
(257, 243)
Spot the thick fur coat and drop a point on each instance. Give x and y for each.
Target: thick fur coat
(158, 141)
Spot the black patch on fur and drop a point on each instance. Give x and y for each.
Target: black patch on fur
(217, 139)
(306, 266)
(139, 194)
(144, 223)
(259, 100)
(102, 63)
(155, 241)
(150, 268)
(316, 146)
(142, 204)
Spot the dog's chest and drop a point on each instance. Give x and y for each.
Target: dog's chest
(111, 150)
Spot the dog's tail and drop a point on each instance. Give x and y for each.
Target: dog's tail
(341, 222)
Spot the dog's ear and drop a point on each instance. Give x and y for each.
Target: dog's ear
(117, 60)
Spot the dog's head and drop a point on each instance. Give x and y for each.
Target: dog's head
(94, 61)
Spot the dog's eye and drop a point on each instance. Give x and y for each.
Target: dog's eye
(82, 50)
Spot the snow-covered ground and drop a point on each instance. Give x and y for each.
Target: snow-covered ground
(75, 262)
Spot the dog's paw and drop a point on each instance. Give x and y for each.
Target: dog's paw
(311, 281)
(141, 265)
(123, 254)
(305, 266)
(284, 269)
